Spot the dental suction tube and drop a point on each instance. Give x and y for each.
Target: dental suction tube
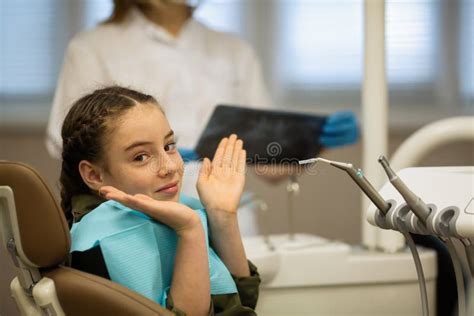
(416, 204)
(358, 176)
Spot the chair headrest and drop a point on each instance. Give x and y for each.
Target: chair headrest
(44, 239)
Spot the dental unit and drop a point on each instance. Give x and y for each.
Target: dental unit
(449, 216)
(422, 211)
(383, 206)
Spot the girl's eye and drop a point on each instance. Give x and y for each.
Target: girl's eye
(170, 146)
(141, 157)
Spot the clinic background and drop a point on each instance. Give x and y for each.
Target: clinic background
(311, 53)
(312, 58)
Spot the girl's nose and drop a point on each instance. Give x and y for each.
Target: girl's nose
(167, 166)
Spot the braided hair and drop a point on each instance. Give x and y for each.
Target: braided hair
(84, 133)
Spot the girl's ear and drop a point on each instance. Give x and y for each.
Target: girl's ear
(91, 175)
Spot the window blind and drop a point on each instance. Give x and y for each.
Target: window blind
(32, 40)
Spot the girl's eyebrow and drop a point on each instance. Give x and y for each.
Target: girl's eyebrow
(142, 143)
(136, 144)
(170, 133)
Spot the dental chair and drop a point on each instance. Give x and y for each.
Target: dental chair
(36, 235)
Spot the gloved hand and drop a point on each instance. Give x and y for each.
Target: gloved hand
(340, 129)
(188, 154)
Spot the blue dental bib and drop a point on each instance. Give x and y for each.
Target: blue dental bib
(139, 252)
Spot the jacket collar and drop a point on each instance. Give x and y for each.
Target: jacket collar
(83, 204)
(153, 31)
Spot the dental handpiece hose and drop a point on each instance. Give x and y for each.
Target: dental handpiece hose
(419, 208)
(416, 204)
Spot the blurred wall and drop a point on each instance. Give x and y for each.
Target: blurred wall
(328, 203)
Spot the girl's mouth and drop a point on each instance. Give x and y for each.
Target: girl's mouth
(170, 188)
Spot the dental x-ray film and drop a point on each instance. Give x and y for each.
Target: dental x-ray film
(269, 136)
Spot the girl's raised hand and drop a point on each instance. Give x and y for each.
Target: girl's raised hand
(178, 216)
(221, 182)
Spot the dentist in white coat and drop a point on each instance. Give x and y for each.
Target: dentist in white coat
(157, 47)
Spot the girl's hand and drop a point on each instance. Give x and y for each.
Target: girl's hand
(178, 216)
(221, 182)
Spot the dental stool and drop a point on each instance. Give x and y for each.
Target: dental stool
(36, 235)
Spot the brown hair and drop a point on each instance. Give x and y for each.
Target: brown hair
(123, 7)
(120, 11)
(84, 131)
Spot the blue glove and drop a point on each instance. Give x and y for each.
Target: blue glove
(340, 129)
(188, 154)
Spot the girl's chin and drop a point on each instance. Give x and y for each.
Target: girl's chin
(166, 197)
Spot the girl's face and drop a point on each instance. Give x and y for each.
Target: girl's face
(141, 156)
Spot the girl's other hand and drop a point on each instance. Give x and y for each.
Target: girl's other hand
(178, 216)
(221, 182)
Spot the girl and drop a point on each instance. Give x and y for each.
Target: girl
(118, 146)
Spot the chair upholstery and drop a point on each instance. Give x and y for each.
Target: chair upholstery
(82, 293)
(44, 243)
(44, 234)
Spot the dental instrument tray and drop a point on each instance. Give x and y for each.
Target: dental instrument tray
(269, 136)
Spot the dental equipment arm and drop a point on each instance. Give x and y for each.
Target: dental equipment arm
(358, 176)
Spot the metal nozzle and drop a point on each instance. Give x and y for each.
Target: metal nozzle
(304, 162)
(340, 165)
(384, 162)
(416, 204)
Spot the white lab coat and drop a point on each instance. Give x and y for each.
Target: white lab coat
(188, 75)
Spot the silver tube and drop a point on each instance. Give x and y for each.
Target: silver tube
(364, 184)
